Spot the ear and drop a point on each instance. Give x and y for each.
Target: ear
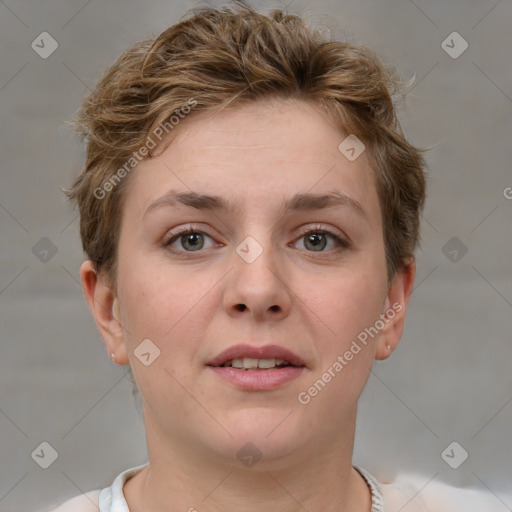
(105, 309)
(397, 299)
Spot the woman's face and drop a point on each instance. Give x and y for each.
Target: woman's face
(256, 273)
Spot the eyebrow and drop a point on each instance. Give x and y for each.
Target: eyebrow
(299, 202)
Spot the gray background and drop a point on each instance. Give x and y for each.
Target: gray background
(449, 379)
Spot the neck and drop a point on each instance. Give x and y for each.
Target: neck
(182, 479)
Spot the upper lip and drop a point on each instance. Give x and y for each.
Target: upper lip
(261, 352)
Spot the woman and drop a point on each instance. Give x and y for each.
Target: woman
(249, 209)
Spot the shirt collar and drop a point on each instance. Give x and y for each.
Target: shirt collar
(112, 499)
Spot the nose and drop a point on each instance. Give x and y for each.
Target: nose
(258, 284)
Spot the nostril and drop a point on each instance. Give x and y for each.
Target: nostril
(241, 307)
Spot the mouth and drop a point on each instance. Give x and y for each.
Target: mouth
(251, 358)
(250, 364)
(257, 369)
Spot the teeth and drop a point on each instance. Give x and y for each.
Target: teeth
(249, 363)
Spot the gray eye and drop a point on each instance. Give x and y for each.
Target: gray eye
(315, 241)
(192, 241)
(188, 241)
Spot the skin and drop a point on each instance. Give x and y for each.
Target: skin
(314, 302)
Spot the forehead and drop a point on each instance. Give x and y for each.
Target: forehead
(264, 149)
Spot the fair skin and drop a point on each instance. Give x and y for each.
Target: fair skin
(311, 299)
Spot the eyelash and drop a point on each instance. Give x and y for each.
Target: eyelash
(343, 244)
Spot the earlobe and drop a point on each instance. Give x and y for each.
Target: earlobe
(398, 296)
(104, 306)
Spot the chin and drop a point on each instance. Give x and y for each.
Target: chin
(271, 434)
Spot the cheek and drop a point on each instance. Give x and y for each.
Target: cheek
(346, 302)
(163, 303)
(345, 351)
(161, 309)
(347, 307)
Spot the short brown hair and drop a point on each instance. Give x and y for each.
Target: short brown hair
(225, 57)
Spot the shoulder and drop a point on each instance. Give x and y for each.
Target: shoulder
(421, 494)
(87, 502)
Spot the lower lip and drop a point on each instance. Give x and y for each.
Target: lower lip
(257, 379)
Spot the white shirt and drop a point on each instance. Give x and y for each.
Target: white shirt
(407, 490)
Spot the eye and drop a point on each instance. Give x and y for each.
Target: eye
(190, 239)
(316, 240)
